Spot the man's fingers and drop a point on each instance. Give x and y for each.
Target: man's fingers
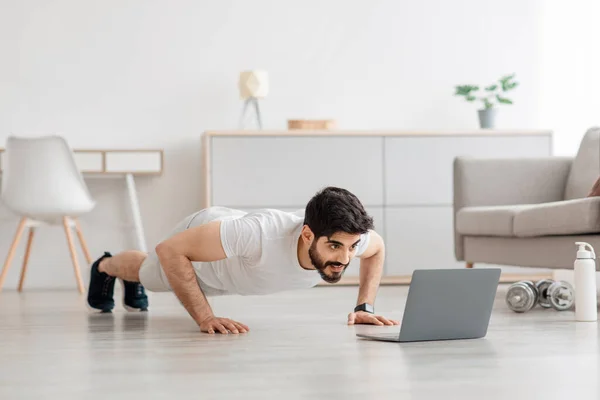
(351, 318)
(232, 328)
(384, 320)
(224, 326)
(221, 328)
(375, 320)
(243, 326)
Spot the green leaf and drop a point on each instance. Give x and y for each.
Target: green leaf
(461, 91)
(507, 78)
(507, 83)
(509, 86)
(471, 98)
(491, 88)
(503, 100)
(465, 89)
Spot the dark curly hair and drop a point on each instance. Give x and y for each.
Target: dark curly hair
(335, 209)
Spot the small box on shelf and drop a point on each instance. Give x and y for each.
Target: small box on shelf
(307, 124)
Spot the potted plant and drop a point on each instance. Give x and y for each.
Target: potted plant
(490, 96)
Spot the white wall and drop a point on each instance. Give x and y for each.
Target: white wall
(569, 74)
(156, 74)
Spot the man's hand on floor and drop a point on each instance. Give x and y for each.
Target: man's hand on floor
(222, 325)
(363, 317)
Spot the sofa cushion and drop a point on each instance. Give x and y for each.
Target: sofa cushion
(487, 221)
(570, 217)
(585, 167)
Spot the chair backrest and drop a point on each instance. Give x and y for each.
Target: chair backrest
(40, 177)
(586, 166)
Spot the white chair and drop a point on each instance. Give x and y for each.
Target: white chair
(42, 184)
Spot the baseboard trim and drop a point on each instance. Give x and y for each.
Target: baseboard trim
(405, 280)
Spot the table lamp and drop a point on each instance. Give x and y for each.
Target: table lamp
(253, 84)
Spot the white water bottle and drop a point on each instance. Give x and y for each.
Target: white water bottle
(586, 303)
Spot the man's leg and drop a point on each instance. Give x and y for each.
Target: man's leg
(106, 270)
(132, 267)
(125, 265)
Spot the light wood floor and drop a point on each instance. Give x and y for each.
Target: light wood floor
(299, 347)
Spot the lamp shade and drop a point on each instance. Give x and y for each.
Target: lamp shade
(254, 83)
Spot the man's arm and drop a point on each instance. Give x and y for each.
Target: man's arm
(200, 243)
(371, 270)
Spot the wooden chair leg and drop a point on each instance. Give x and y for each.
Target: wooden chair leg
(11, 252)
(469, 265)
(73, 254)
(84, 246)
(26, 258)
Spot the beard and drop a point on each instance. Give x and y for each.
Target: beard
(321, 264)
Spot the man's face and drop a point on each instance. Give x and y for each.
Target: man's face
(331, 255)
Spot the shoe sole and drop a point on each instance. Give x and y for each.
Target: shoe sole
(125, 306)
(97, 310)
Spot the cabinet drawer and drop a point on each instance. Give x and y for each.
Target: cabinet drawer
(419, 170)
(276, 171)
(419, 238)
(134, 161)
(89, 161)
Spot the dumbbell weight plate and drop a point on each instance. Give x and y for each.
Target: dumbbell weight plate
(561, 295)
(521, 296)
(542, 287)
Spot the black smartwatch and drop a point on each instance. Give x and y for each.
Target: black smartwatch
(366, 307)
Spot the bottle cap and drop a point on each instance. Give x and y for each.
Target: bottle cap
(583, 253)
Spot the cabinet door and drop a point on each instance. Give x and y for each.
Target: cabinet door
(419, 170)
(419, 238)
(377, 214)
(277, 171)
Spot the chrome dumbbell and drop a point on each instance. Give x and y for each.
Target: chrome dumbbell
(558, 295)
(523, 296)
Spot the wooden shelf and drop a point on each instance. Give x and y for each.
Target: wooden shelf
(374, 133)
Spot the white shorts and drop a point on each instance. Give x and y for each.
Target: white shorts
(152, 275)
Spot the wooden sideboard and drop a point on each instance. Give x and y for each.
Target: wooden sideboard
(403, 178)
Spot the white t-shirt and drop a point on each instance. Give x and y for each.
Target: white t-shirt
(261, 249)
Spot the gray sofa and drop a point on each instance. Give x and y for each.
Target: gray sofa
(527, 212)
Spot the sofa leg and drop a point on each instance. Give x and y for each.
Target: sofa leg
(469, 265)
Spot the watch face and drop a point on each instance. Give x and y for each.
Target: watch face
(365, 307)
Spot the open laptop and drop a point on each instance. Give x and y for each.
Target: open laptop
(446, 304)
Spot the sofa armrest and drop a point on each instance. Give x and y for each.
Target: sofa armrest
(507, 181)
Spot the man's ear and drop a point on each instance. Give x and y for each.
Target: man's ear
(307, 234)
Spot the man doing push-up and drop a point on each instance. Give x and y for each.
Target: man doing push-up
(222, 251)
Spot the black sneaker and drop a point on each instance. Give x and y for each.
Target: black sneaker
(134, 296)
(100, 293)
